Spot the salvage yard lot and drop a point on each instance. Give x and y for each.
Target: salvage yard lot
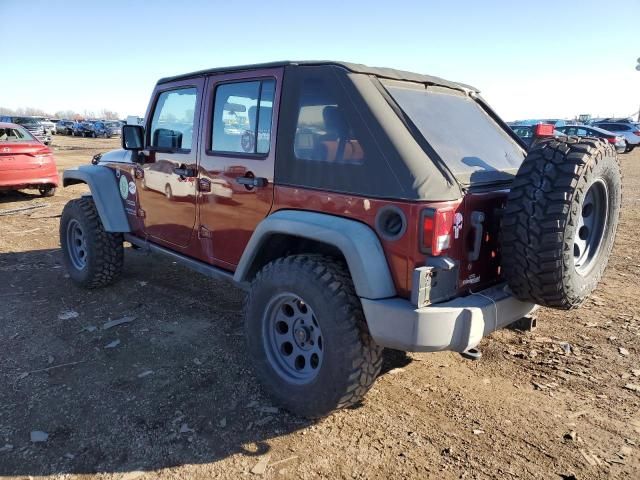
(169, 392)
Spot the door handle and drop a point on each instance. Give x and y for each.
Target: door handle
(252, 181)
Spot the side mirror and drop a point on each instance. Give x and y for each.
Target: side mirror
(132, 137)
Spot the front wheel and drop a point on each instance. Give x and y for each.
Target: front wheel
(307, 337)
(93, 258)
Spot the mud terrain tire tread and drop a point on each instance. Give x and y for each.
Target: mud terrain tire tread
(106, 257)
(538, 224)
(361, 355)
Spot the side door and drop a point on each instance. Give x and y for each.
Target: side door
(167, 179)
(237, 160)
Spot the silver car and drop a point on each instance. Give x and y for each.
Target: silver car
(617, 140)
(628, 130)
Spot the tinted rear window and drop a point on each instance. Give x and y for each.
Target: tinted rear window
(473, 146)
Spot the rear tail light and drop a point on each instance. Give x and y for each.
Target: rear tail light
(612, 139)
(437, 226)
(543, 130)
(637, 132)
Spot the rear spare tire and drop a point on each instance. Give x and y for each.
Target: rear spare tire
(560, 221)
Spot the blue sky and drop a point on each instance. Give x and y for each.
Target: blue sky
(530, 59)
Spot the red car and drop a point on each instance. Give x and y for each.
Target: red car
(25, 162)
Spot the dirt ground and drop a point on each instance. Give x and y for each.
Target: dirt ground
(170, 393)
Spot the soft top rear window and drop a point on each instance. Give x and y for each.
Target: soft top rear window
(471, 144)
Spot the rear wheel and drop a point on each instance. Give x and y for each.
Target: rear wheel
(307, 337)
(560, 221)
(627, 148)
(93, 257)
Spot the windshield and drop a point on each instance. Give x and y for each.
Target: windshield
(15, 134)
(471, 144)
(25, 121)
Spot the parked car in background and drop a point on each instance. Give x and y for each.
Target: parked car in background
(556, 122)
(114, 127)
(31, 124)
(592, 131)
(627, 129)
(98, 128)
(48, 125)
(535, 121)
(82, 129)
(25, 162)
(65, 127)
(531, 135)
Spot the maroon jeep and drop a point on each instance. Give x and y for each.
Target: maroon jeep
(360, 208)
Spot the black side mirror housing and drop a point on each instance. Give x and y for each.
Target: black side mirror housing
(132, 137)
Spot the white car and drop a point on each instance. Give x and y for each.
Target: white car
(49, 127)
(160, 177)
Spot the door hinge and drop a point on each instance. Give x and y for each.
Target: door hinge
(204, 185)
(204, 232)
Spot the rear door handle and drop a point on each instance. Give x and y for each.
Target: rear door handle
(252, 181)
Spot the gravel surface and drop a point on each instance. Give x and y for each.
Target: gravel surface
(170, 393)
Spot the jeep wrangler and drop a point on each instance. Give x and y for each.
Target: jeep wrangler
(360, 208)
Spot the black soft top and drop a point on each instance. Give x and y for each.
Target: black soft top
(380, 72)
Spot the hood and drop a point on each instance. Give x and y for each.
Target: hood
(117, 156)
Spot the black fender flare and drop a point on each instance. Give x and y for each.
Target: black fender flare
(105, 192)
(357, 242)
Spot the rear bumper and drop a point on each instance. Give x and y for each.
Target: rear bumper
(456, 325)
(29, 177)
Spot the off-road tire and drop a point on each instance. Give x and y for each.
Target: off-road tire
(541, 220)
(351, 361)
(105, 251)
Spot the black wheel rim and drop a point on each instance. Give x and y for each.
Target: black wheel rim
(591, 227)
(76, 244)
(293, 339)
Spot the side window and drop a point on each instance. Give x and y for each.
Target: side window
(323, 132)
(173, 117)
(242, 115)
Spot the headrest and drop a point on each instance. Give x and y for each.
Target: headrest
(334, 120)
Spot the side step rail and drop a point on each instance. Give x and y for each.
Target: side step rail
(193, 264)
